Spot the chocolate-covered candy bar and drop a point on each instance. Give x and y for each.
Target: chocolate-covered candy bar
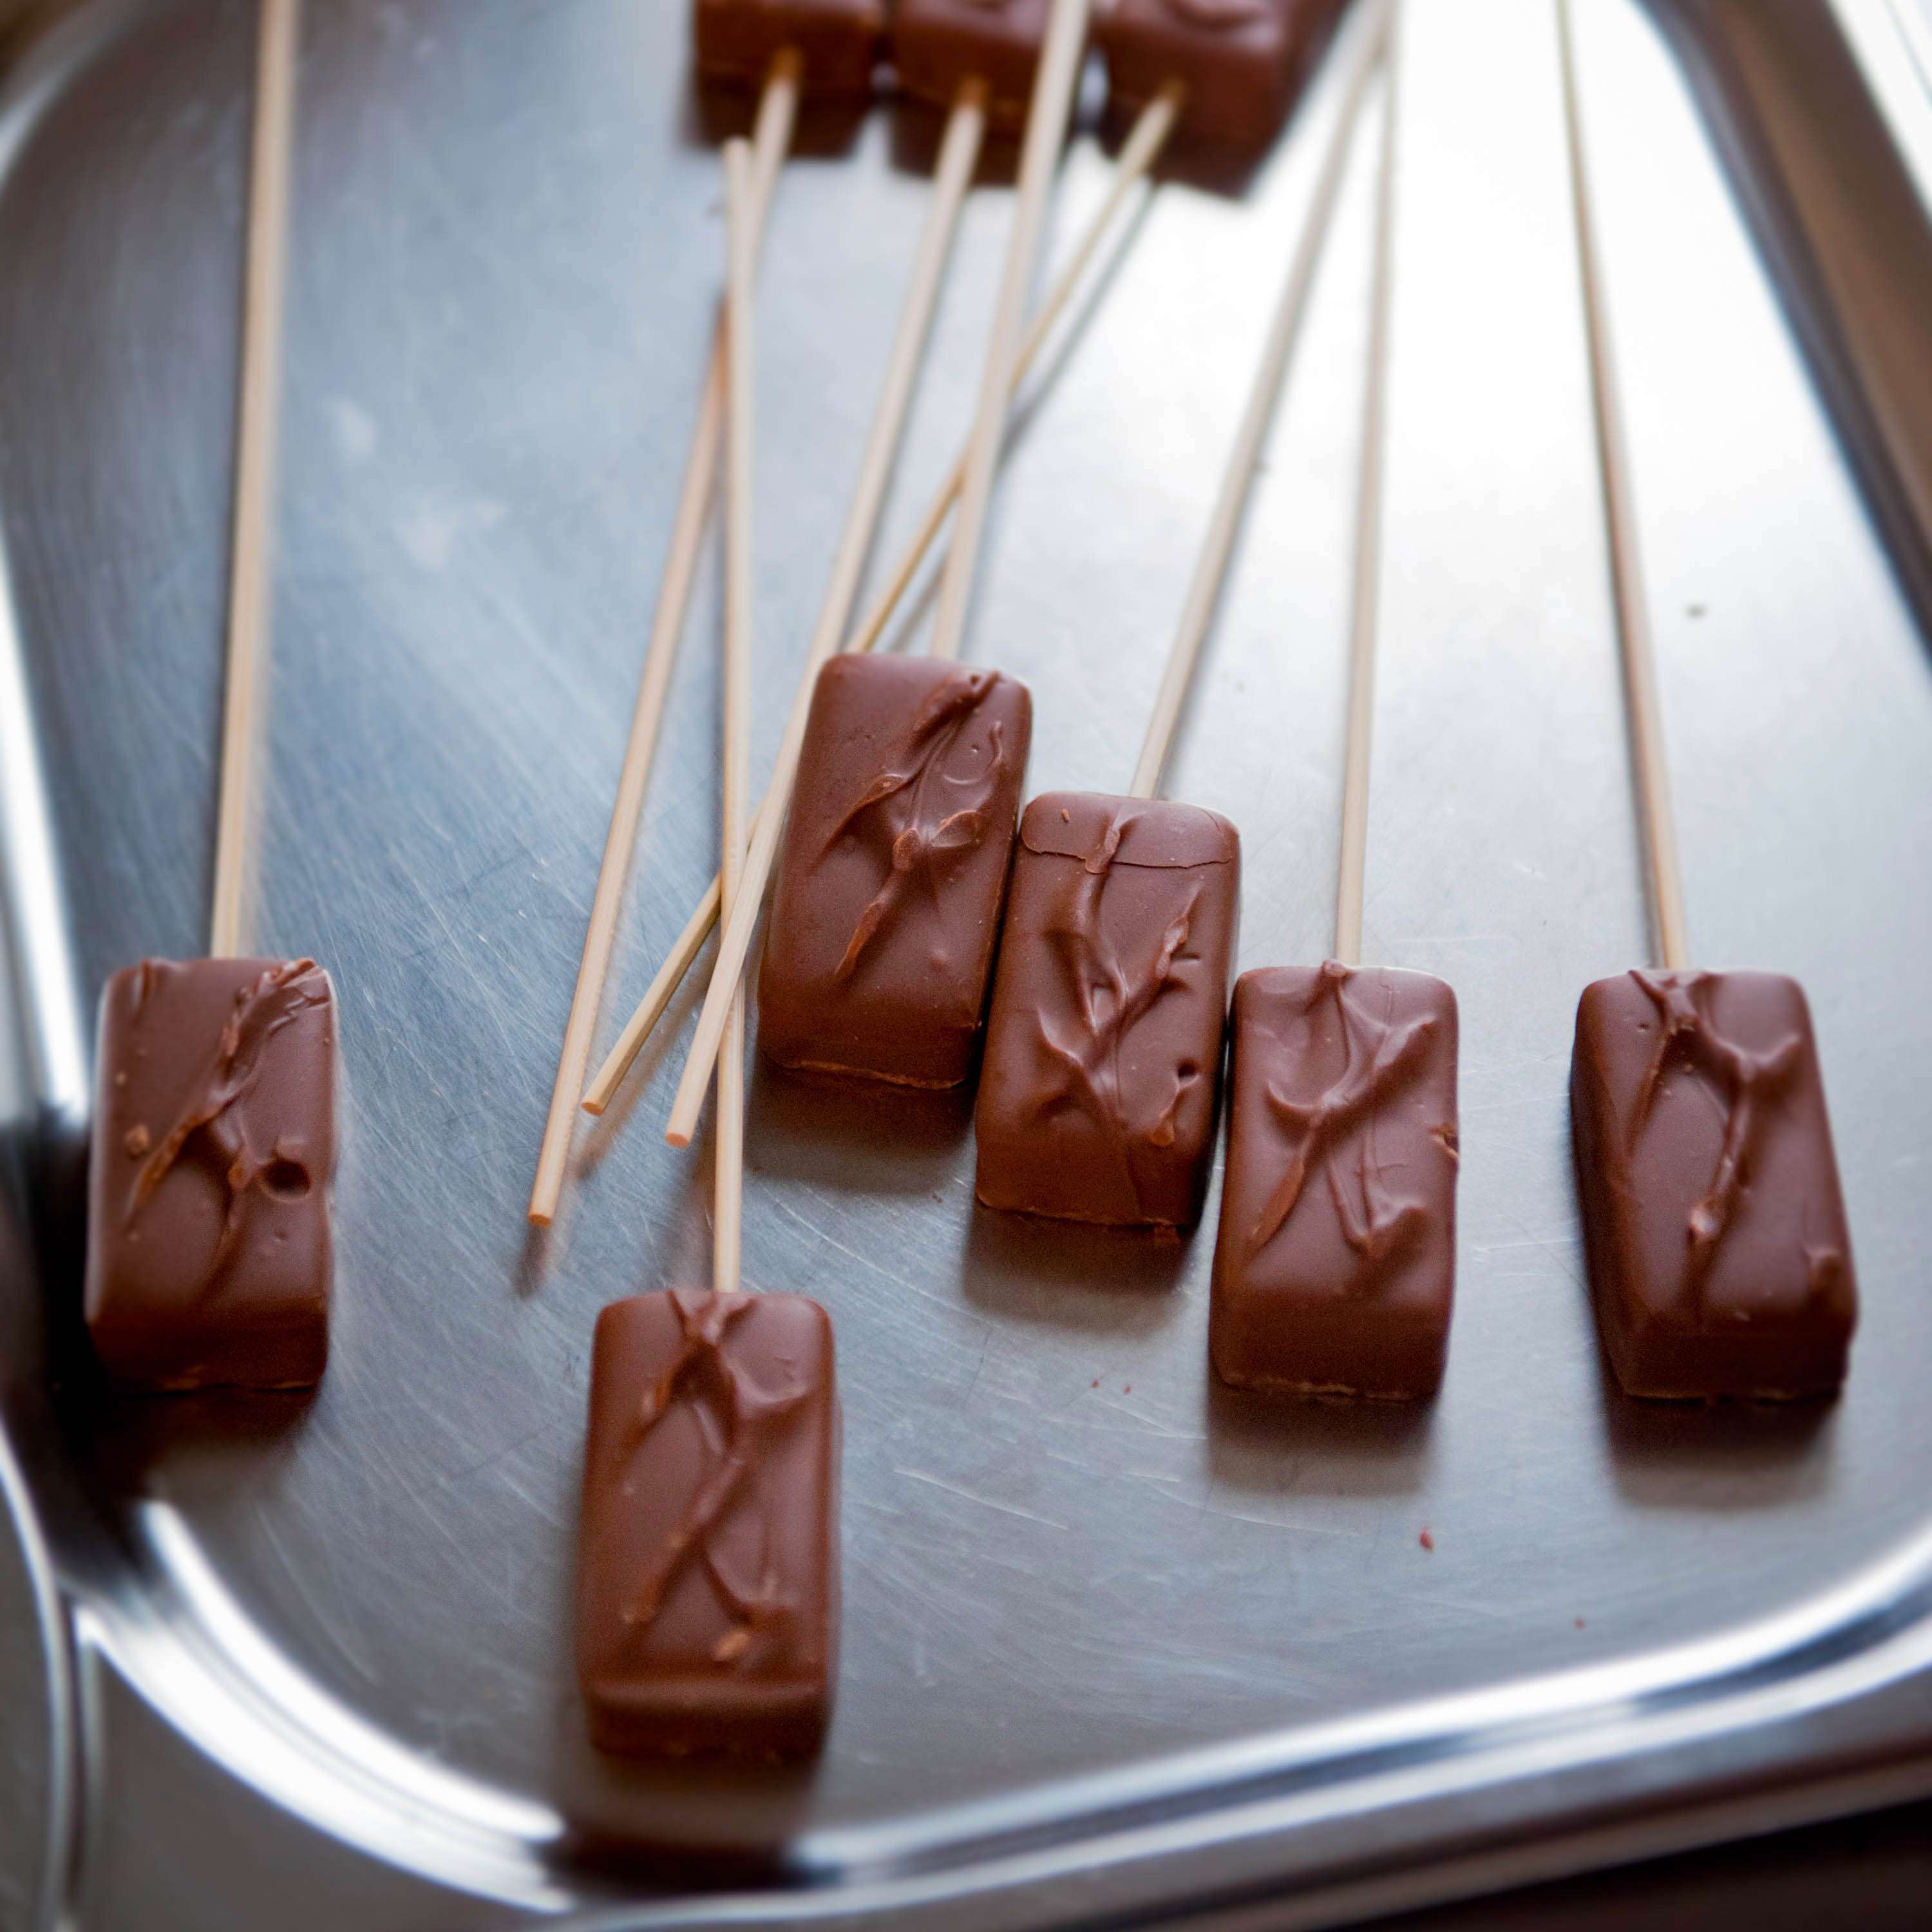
(1719, 1256)
(837, 41)
(1103, 1049)
(708, 1571)
(893, 868)
(1335, 1264)
(1239, 61)
(208, 1251)
(937, 44)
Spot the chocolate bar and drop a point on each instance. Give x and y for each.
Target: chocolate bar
(893, 868)
(708, 1571)
(1239, 62)
(937, 44)
(214, 1145)
(1103, 1050)
(1335, 1263)
(1719, 1255)
(839, 42)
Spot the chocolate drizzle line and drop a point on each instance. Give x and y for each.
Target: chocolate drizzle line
(1379, 1059)
(276, 999)
(919, 838)
(1747, 1085)
(1111, 1001)
(737, 1420)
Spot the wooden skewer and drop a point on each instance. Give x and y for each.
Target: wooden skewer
(256, 434)
(1636, 648)
(659, 994)
(966, 127)
(1369, 530)
(778, 110)
(1217, 549)
(1142, 147)
(740, 441)
(1047, 113)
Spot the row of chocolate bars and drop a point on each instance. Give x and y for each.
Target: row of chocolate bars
(1239, 61)
(1104, 933)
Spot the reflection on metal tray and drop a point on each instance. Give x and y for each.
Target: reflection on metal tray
(1117, 1642)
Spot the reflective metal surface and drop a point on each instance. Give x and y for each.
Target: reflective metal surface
(1115, 1639)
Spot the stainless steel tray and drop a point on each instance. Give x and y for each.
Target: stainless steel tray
(1119, 1646)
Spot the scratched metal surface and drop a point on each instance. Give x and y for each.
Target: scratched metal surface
(1081, 1583)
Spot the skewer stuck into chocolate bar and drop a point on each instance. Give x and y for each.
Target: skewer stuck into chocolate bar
(1720, 1259)
(1335, 1259)
(1102, 1078)
(1049, 108)
(209, 1256)
(258, 428)
(958, 151)
(708, 1571)
(740, 440)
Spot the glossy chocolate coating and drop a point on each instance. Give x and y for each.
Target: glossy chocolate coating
(1103, 1050)
(1719, 1255)
(839, 41)
(893, 869)
(937, 44)
(1335, 1265)
(707, 1605)
(1239, 60)
(214, 1146)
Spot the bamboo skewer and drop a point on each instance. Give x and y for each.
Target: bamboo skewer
(256, 437)
(739, 441)
(1369, 531)
(778, 109)
(959, 156)
(1047, 114)
(664, 983)
(724, 1004)
(1138, 155)
(1636, 648)
(1217, 548)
